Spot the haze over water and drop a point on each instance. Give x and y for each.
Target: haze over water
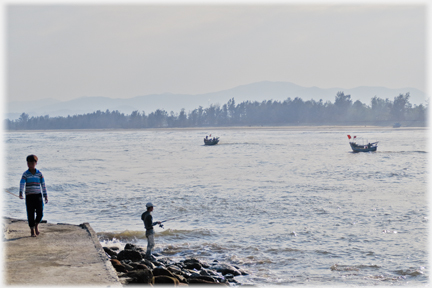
(289, 205)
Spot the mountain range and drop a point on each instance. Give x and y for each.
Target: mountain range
(258, 91)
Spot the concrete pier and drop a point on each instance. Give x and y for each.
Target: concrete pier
(62, 254)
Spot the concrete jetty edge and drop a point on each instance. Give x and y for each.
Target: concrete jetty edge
(63, 254)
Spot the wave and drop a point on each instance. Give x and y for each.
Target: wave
(337, 267)
(410, 272)
(131, 235)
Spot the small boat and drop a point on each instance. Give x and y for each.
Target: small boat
(369, 147)
(211, 141)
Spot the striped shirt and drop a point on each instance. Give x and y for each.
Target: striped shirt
(32, 183)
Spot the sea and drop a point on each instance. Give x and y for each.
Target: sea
(290, 205)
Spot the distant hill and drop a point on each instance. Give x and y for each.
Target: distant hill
(259, 91)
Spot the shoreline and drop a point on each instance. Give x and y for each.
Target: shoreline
(283, 128)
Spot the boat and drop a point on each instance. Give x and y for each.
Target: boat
(369, 147)
(211, 141)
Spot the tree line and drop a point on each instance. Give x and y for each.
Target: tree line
(295, 111)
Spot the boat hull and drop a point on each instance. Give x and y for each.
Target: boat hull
(211, 142)
(370, 147)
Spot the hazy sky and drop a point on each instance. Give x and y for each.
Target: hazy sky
(122, 51)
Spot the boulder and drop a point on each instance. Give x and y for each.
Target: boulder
(118, 266)
(202, 281)
(144, 276)
(128, 267)
(129, 254)
(174, 269)
(149, 264)
(226, 269)
(205, 278)
(141, 267)
(191, 263)
(162, 271)
(110, 252)
(165, 280)
(130, 246)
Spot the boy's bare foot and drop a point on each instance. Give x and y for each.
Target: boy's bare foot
(32, 232)
(36, 230)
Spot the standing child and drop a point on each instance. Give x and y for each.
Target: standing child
(32, 180)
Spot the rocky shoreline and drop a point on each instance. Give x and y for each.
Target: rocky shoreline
(133, 268)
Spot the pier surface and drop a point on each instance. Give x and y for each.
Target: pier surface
(62, 254)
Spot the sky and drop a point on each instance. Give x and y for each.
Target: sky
(109, 49)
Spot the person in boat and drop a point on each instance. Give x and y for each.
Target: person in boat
(147, 218)
(33, 183)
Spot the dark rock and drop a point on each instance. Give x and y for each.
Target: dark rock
(132, 255)
(130, 246)
(141, 267)
(165, 280)
(232, 280)
(192, 263)
(141, 276)
(165, 261)
(149, 264)
(162, 271)
(110, 252)
(157, 263)
(205, 278)
(128, 267)
(229, 276)
(118, 266)
(202, 281)
(174, 269)
(226, 269)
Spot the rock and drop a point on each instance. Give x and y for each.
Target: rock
(174, 269)
(205, 278)
(110, 252)
(243, 272)
(226, 269)
(141, 267)
(165, 280)
(149, 264)
(128, 267)
(202, 281)
(192, 263)
(181, 278)
(162, 271)
(130, 246)
(141, 276)
(118, 266)
(128, 254)
(115, 262)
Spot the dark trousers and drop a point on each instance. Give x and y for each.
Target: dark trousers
(34, 205)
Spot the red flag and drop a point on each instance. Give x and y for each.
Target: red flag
(349, 137)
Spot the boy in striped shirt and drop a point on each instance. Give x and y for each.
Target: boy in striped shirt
(32, 180)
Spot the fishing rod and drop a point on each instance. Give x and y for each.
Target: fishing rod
(162, 226)
(11, 193)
